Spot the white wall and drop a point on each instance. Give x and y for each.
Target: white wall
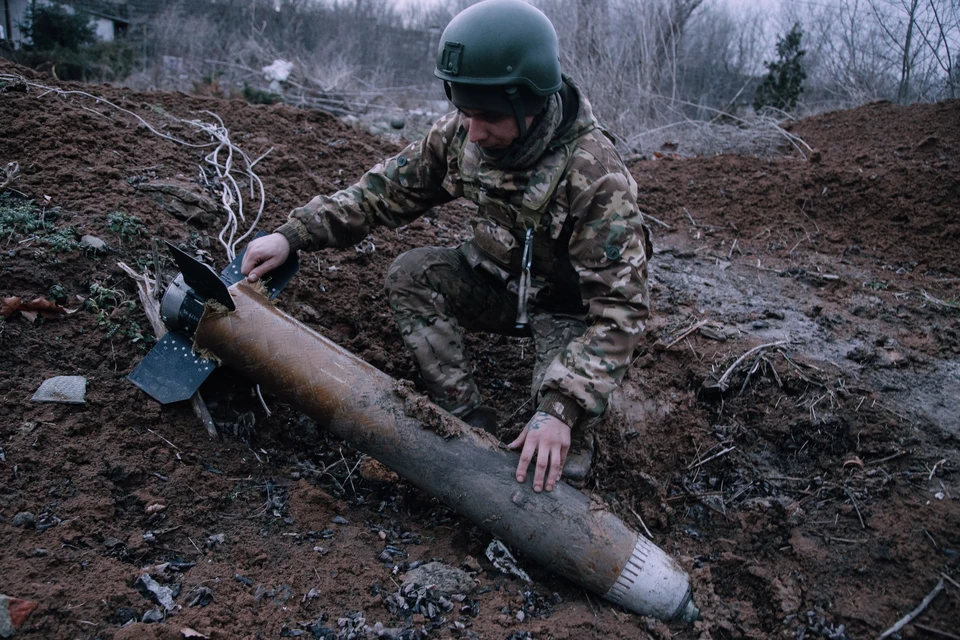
(105, 29)
(17, 9)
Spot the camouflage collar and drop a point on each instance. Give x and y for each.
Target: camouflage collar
(525, 152)
(581, 114)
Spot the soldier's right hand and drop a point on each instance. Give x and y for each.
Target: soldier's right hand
(263, 255)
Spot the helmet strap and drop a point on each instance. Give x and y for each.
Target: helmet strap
(518, 112)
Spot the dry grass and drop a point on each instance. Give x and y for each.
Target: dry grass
(763, 137)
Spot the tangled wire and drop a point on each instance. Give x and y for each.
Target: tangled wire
(220, 160)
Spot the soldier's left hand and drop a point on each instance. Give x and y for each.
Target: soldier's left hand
(549, 438)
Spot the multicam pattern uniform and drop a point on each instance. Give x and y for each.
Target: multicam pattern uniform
(590, 242)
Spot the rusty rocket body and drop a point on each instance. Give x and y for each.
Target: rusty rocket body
(463, 467)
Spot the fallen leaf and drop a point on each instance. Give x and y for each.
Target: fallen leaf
(30, 310)
(855, 461)
(9, 306)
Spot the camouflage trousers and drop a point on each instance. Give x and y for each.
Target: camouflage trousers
(436, 295)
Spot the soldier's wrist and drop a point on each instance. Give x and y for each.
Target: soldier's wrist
(561, 407)
(295, 232)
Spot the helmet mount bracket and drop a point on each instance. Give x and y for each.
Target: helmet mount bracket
(450, 58)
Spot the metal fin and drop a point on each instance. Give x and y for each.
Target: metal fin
(275, 281)
(172, 371)
(202, 279)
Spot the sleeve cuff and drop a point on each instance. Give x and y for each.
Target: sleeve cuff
(561, 407)
(295, 232)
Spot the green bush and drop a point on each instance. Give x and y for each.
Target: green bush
(783, 84)
(259, 96)
(21, 219)
(52, 27)
(62, 240)
(18, 216)
(66, 44)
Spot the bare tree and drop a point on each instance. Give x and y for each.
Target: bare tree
(860, 50)
(941, 37)
(898, 20)
(625, 54)
(721, 59)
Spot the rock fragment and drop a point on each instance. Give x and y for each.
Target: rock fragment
(502, 559)
(155, 592)
(93, 243)
(24, 519)
(62, 389)
(13, 613)
(154, 615)
(200, 597)
(442, 579)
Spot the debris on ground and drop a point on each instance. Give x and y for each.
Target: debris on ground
(63, 390)
(442, 579)
(502, 559)
(156, 592)
(13, 613)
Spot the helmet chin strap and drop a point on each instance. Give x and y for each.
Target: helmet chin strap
(517, 105)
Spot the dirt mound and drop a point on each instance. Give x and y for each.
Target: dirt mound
(810, 488)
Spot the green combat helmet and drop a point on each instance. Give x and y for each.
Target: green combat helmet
(501, 56)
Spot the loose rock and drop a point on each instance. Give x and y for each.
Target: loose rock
(24, 519)
(443, 579)
(62, 389)
(154, 615)
(13, 613)
(93, 243)
(155, 592)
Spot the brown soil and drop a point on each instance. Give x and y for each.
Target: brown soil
(833, 502)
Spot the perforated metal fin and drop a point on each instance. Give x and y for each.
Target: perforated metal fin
(172, 371)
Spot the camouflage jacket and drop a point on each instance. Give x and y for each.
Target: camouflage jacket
(590, 242)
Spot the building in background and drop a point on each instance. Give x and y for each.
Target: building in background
(111, 18)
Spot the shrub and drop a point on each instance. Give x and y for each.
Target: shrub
(53, 27)
(259, 96)
(783, 84)
(66, 43)
(19, 216)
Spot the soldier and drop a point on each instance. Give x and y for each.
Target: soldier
(559, 250)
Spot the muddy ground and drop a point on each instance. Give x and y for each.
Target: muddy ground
(813, 494)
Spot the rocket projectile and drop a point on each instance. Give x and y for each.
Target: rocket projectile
(461, 466)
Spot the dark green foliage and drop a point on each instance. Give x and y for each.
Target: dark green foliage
(62, 240)
(66, 44)
(52, 27)
(21, 217)
(126, 226)
(259, 96)
(783, 84)
(25, 220)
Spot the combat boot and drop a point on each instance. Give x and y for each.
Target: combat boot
(583, 442)
(483, 417)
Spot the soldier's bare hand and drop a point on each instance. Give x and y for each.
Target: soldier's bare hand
(549, 438)
(263, 255)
